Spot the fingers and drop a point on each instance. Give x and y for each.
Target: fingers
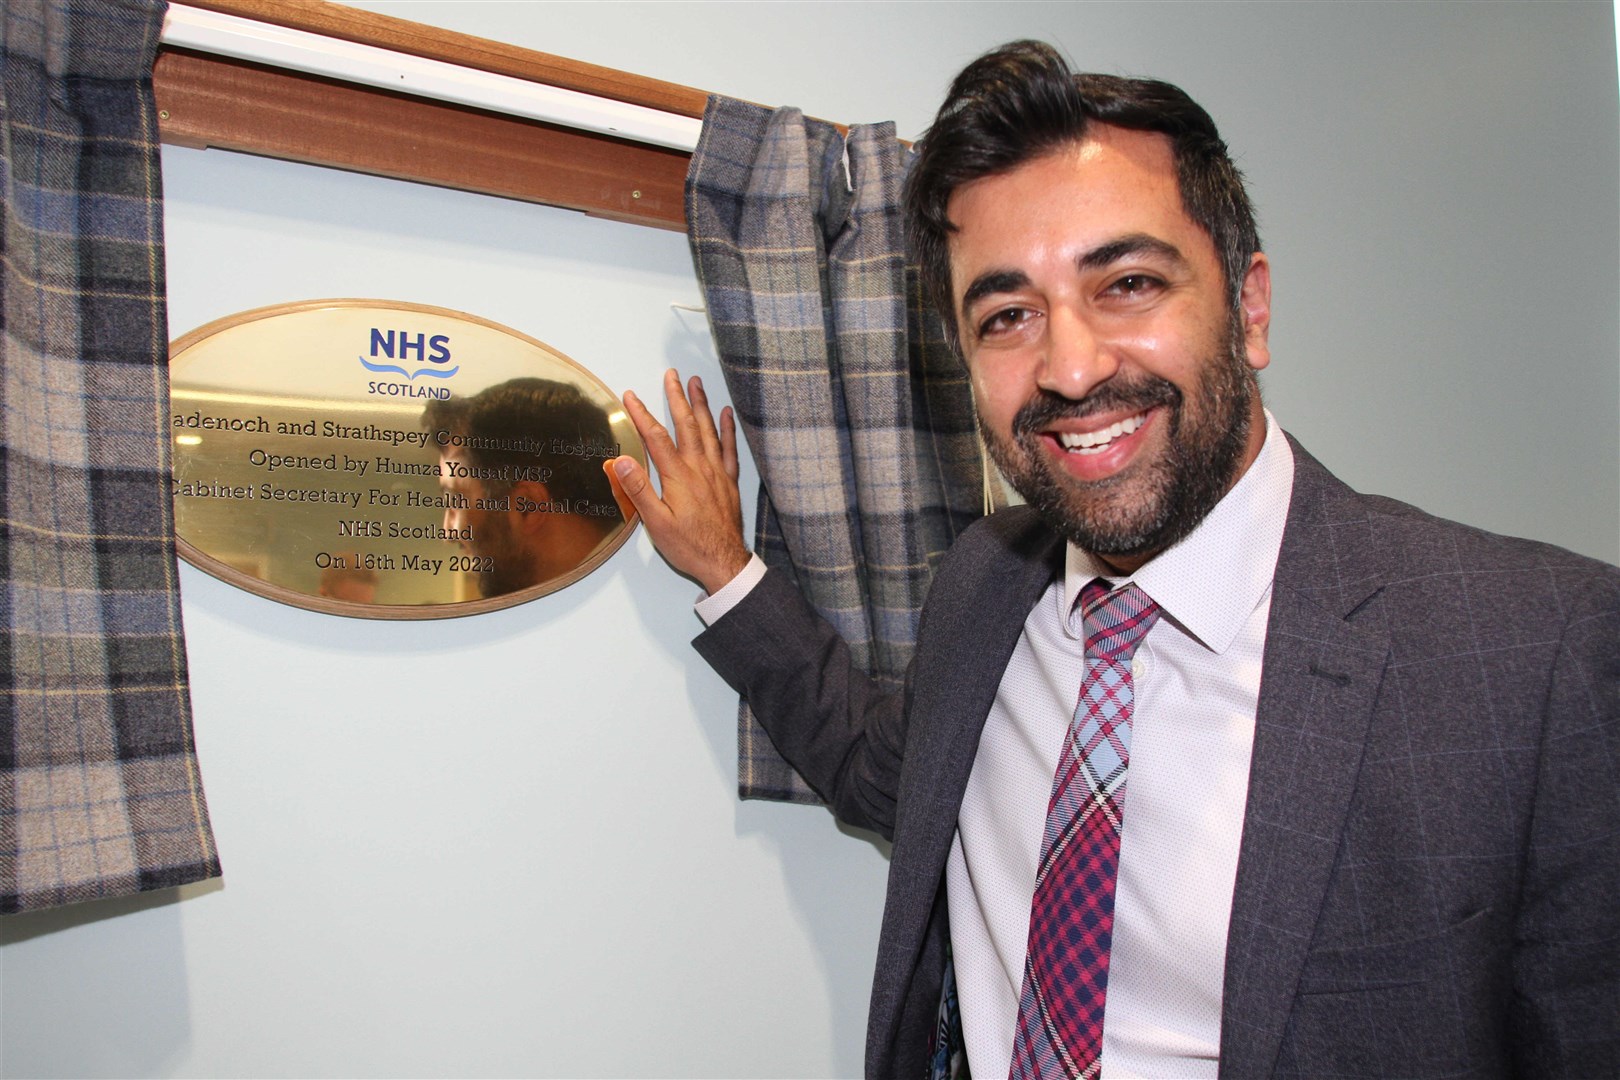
(696, 433)
(647, 425)
(728, 441)
(695, 521)
(704, 417)
(691, 416)
(687, 429)
(660, 445)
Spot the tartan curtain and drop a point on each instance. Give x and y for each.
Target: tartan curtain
(856, 411)
(99, 790)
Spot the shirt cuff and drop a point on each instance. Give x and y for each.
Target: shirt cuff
(711, 608)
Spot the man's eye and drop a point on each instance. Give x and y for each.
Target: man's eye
(1134, 285)
(1004, 320)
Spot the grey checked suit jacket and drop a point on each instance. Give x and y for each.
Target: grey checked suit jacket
(1429, 877)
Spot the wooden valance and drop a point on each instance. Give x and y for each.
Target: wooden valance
(212, 101)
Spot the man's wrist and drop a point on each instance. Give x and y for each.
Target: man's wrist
(712, 607)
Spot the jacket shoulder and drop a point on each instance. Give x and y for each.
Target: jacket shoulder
(1011, 545)
(1016, 532)
(1343, 548)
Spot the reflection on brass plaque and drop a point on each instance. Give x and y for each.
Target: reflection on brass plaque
(390, 461)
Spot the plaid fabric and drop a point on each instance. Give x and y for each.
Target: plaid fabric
(856, 411)
(99, 792)
(1071, 920)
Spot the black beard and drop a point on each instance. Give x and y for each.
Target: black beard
(510, 569)
(1203, 453)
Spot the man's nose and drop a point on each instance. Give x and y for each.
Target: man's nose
(1077, 358)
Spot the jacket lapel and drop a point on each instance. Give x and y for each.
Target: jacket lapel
(1321, 678)
(969, 632)
(978, 626)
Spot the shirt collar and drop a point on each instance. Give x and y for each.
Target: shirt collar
(1213, 579)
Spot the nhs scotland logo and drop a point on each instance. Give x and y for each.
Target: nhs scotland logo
(415, 355)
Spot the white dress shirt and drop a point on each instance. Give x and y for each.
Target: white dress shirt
(1197, 680)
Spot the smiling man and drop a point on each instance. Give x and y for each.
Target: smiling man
(1110, 371)
(1205, 764)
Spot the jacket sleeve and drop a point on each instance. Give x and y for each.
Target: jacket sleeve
(825, 715)
(1566, 966)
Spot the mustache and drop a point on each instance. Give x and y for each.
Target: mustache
(1046, 407)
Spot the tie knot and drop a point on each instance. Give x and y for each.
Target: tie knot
(1115, 622)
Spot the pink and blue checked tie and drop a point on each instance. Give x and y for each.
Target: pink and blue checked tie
(1071, 921)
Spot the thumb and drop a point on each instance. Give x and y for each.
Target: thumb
(631, 486)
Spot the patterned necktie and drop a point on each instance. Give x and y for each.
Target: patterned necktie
(1071, 921)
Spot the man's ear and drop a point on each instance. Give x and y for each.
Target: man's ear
(1254, 301)
(531, 492)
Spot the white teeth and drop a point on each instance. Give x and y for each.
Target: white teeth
(1094, 442)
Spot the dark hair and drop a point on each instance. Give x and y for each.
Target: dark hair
(1020, 101)
(530, 424)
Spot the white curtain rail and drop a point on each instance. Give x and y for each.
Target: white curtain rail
(277, 46)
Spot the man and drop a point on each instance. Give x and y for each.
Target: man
(520, 467)
(1373, 758)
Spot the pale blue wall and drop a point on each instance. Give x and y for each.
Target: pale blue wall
(509, 845)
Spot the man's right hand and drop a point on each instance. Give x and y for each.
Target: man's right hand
(696, 524)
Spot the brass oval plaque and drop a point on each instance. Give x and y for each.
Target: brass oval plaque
(389, 460)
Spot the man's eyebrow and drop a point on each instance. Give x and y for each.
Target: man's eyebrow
(991, 282)
(1127, 247)
(1135, 244)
